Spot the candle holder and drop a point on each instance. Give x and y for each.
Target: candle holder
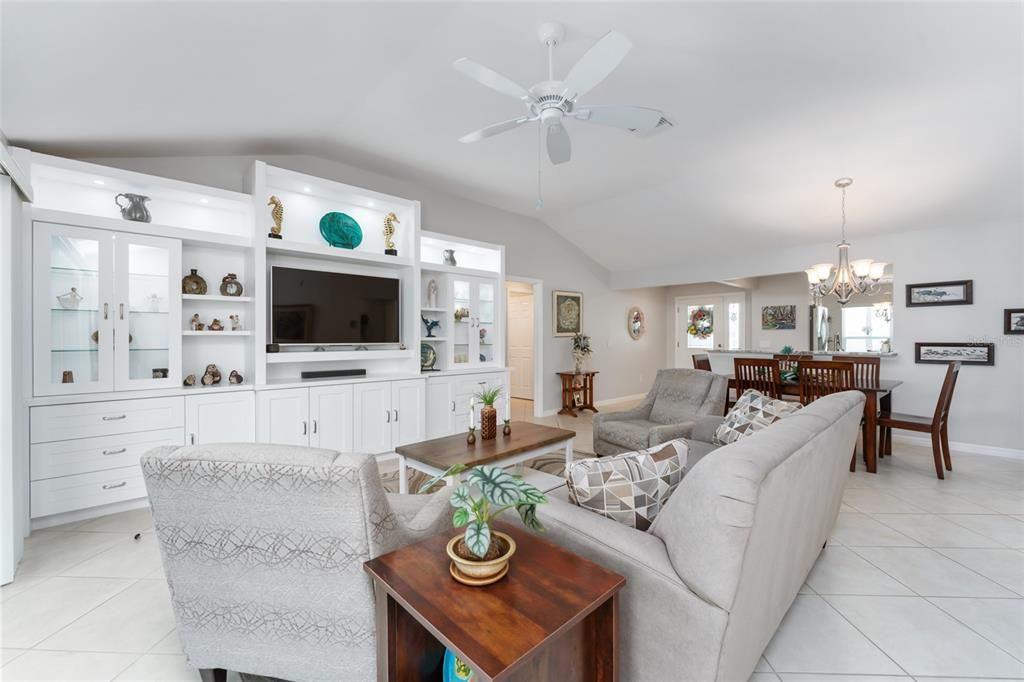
(507, 429)
(471, 436)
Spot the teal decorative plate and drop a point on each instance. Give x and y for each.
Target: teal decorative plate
(341, 229)
(454, 670)
(428, 356)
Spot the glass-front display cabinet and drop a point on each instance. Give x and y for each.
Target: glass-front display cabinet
(107, 310)
(475, 329)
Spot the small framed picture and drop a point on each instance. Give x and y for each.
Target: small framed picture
(577, 398)
(778, 317)
(936, 353)
(959, 292)
(1013, 321)
(567, 310)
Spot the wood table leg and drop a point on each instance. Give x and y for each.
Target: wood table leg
(885, 405)
(871, 431)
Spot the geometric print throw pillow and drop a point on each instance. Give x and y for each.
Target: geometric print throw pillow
(630, 488)
(752, 412)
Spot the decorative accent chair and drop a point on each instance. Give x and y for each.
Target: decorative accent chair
(678, 399)
(263, 548)
(936, 425)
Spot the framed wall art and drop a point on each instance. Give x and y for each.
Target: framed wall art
(937, 353)
(567, 311)
(958, 292)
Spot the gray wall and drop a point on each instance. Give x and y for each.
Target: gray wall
(532, 249)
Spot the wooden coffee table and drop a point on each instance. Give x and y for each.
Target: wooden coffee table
(527, 441)
(553, 617)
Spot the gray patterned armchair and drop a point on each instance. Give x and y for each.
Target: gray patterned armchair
(678, 399)
(263, 548)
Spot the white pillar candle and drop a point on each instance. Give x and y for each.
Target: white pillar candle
(471, 424)
(508, 409)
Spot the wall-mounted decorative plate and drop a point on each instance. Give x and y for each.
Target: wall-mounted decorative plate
(341, 229)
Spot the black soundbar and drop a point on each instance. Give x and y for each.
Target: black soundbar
(330, 373)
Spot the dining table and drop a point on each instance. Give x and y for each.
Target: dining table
(877, 394)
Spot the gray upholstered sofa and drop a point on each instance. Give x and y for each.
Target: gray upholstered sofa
(708, 584)
(677, 400)
(263, 547)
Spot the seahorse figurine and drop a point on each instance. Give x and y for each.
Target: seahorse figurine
(389, 231)
(277, 213)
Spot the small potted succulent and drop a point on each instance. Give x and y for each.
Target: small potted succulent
(479, 554)
(487, 396)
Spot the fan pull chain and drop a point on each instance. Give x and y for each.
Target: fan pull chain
(540, 142)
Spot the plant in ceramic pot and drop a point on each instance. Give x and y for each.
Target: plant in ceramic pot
(480, 555)
(581, 350)
(487, 396)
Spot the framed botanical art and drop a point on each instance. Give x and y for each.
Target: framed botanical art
(958, 292)
(778, 317)
(567, 311)
(943, 353)
(1013, 321)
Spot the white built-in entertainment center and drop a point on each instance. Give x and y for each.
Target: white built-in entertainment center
(110, 358)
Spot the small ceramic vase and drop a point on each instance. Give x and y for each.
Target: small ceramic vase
(71, 300)
(193, 283)
(230, 286)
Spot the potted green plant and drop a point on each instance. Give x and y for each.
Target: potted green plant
(480, 555)
(487, 396)
(581, 350)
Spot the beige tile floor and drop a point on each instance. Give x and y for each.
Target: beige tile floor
(922, 579)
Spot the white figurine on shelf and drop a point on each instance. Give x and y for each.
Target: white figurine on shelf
(236, 323)
(432, 294)
(197, 326)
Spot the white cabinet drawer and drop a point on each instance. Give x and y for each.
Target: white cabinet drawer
(69, 493)
(86, 420)
(70, 457)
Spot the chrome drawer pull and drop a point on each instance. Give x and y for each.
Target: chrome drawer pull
(111, 486)
(114, 419)
(115, 452)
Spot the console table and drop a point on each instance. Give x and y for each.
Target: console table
(573, 383)
(553, 617)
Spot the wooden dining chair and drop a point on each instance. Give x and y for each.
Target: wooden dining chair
(866, 369)
(819, 378)
(759, 374)
(789, 362)
(702, 361)
(937, 425)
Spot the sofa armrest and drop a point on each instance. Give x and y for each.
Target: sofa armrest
(639, 412)
(667, 432)
(705, 427)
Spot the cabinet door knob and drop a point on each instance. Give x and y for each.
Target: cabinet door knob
(305, 428)
(116, 452)
(106, 311)
(111, 486)
(396, 416)
(192, 439)
(121, 309)
(387, 413)
(314, 426)
(453, 406)
(115, 418)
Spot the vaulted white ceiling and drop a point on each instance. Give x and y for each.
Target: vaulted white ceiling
(920, 102)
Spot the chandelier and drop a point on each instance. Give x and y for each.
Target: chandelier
(857, 277)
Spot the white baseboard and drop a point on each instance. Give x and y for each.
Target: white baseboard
(965, 448)
(87, 514)
(602, 403)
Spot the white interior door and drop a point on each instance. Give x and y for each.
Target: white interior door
(407, 422)
(688, 344)
(282, 416)
(220, 418)
(371, 417)
(330, 411)
(520, 343)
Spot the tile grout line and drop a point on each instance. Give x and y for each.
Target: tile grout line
(1016, 658)
(925, 596)
(80, 617)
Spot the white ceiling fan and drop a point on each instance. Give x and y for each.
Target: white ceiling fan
(553, 101)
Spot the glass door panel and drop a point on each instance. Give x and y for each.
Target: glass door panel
(486, 321)
(148, 342)
(462, 325)
(72, 283)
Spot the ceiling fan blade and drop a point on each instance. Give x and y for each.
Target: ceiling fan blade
(595, 65)
(629, 118)
(493, 129)
(492, 79)
(559, 146)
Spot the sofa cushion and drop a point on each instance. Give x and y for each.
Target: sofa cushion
(752, 412)
(632, 434)
(629, 488)
(680, 396)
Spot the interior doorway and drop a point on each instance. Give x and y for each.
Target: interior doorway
(523, 326)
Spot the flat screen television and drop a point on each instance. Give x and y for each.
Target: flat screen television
(312, 307)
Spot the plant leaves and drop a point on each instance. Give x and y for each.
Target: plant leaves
(496, 484)
(461, 517)
(528, 513)
(453, 470)
(461, 498)
(478, 538)
(530, 494)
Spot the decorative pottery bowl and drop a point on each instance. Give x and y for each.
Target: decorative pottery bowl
(341, 230)
(480, 572)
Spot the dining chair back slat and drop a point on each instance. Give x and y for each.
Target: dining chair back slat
(759, 374)
(702, 361)
(819, 378)
(788, 362)
(866, 369)
(941, 417)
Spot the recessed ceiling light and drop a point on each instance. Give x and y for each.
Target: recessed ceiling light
(203, 200)
(370, 203)
(99, 182)
(307, 189)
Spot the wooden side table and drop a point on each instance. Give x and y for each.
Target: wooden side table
(553, 617)
(573, 383)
